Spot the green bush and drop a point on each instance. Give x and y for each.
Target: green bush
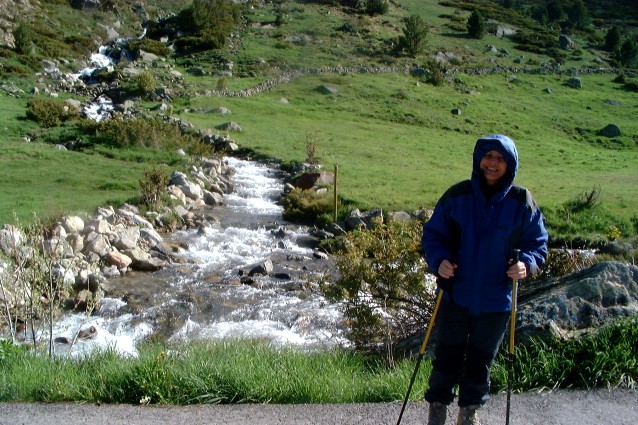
(145, 83)
(305, 205)
(152, 187)
(584, 222)
(143, 133)
(376, 7)
(381, 284)
(436, 76)
(15, 69)
(210, 22)
(81, 44)
(148, 45)
(562, 262)
(49, 113)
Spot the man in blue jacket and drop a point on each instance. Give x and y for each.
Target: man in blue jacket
(468, 243)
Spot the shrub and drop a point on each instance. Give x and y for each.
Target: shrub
(144, 133)
(583, 222)
(437, 75)
(312, 149)
(81, 44)
(305, 205)
(148, 45)
(152, 187)
(628, 52)
(222, 84)
(145, 83)
(211, 21)
(562, 262)
(612, 39)
(382, 283)
(49, 113)
(585, 200)
(376, 7)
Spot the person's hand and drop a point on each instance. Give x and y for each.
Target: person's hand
(446, 269)
(517, 271)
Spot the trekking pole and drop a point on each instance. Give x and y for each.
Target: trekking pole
(424, 345)
(512, 355)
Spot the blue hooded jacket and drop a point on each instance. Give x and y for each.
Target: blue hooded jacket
(477, 229)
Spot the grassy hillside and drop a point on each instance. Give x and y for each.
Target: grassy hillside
(394, 137)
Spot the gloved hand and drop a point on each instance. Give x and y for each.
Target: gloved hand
(444, 284)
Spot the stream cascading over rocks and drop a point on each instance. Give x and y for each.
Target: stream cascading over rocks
(244, 276)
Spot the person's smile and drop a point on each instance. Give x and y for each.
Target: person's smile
(493, 166)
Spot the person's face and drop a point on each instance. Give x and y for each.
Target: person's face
(493, 166)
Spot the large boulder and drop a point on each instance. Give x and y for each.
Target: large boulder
(579, 303)
(310, 179)
(610, 130)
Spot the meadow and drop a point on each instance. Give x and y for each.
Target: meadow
(398, 146)
(393, 136)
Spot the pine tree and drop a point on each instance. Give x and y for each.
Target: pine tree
(628, 52)
(476, 25)
(22, 37)
(414, 33)
(612, 39)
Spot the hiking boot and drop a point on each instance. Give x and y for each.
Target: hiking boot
(437, 413)
(468, 415)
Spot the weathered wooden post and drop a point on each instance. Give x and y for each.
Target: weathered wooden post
(334, 201)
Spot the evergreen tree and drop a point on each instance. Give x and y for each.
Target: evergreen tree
(476, 25)
(540, 13)
(613, 39)
(22, 37)
(628, 52)
(578, 15)
(555, 11)
(414, 34)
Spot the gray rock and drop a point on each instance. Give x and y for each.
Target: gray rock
(579, 303)
(229, 126)
(327, 90)
(575, 83)
(610, 130)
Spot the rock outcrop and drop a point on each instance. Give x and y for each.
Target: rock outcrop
(579, 303)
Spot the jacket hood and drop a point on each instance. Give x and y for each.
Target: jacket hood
(503, 145)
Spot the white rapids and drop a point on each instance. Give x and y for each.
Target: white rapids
(204, 299)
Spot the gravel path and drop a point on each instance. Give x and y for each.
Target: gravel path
(615, 407)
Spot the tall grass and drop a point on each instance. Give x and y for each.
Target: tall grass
(224, 372)
(608, 358)
(253, 372)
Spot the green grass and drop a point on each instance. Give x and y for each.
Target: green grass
(252, 372)
(607, 358)
(395, 141)
(223, 372)
(398, 145)
(37, 178)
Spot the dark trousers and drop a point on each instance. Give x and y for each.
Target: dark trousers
(466, 346)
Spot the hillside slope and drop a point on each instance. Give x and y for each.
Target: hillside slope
(381, 121)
